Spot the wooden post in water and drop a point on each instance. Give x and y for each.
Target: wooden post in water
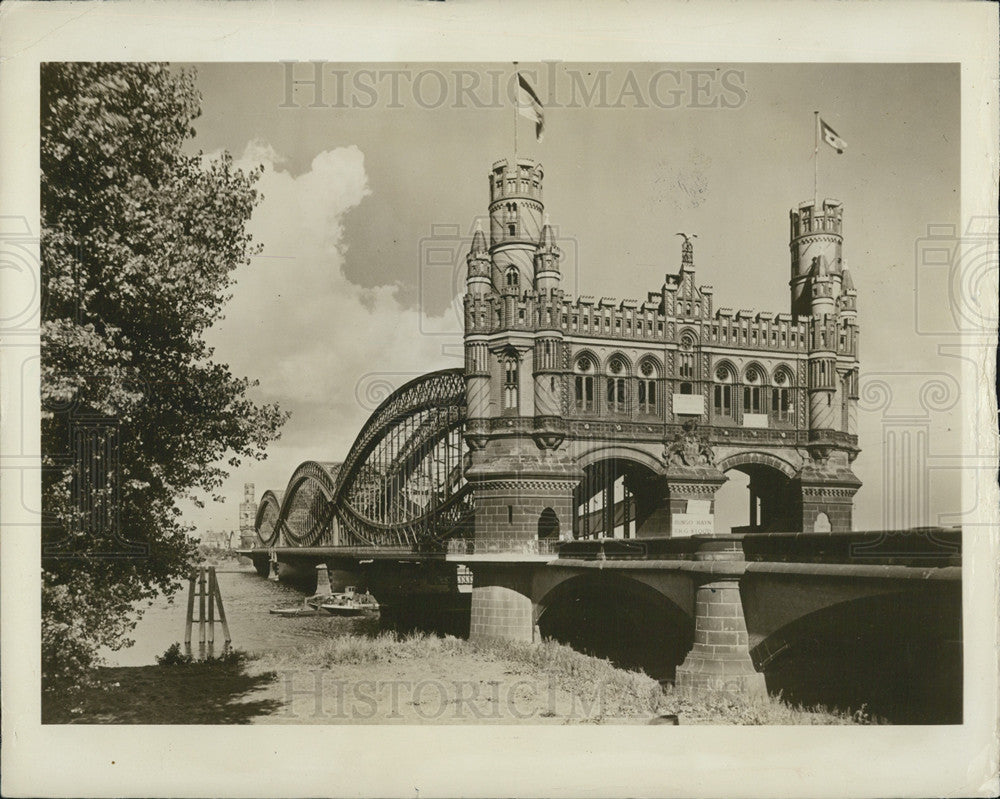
(211, 608)
(222, 611)
(208, 587)
(190, 615)
(201, 608)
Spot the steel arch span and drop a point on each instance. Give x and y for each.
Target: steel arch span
(401, 484)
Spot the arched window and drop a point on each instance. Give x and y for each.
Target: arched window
(722, 395)
(753, 391)
(617, 382)
(584, 384)
(510, 219)
(513, 277)
(646, 395)
(686, 360)
(782, 406)
(510, 369)
(548, 525)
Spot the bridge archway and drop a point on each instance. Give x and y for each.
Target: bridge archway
(619, 495)
(608, 615)
(896, 651)
(765, 497)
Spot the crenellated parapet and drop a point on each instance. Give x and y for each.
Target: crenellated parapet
(547, 372)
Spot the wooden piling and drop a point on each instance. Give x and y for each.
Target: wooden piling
(189, 620)
(201, 608)
(211, 607)
(222, 612)
(207, 588)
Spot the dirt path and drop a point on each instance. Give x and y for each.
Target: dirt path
(453, 689)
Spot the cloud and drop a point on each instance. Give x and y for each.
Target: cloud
(309, 335)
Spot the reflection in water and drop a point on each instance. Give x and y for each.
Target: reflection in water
(247, 599)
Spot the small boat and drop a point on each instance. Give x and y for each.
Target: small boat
(349, 603)
(343, 608)
(298, 610)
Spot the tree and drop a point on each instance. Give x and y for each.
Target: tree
(139, 242)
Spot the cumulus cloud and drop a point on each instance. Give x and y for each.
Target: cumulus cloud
(322, 346)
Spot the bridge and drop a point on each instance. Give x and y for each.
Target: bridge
(563, 481)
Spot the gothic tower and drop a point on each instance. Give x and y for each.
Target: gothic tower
(516, 211)
(816, 241)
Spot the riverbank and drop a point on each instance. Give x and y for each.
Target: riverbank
(384, 678)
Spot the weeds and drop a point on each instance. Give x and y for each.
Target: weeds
(228, 657)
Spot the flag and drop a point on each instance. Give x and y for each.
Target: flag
(830, 137)
(528, 105)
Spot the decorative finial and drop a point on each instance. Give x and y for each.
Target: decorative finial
(687, 248)
(479, 226)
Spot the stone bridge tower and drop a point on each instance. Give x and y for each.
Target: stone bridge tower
(621, 418)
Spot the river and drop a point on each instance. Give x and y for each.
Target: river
(247, 598)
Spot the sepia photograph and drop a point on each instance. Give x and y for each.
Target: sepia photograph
(593, 393)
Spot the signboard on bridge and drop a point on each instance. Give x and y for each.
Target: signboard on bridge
(688, 524)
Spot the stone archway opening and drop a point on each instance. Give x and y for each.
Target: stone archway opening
(613, 617)
(548, 525)
(617, 498)
(758, 498)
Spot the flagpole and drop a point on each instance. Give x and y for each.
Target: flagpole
(815, 158)
(517, 90)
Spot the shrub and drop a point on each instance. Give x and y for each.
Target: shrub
(174, 657)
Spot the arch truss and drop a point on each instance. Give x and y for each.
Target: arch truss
(402, 483)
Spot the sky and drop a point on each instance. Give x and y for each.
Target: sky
(372, 188)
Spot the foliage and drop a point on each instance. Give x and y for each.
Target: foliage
(174, 657)
(139, 242)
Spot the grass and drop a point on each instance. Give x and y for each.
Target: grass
(614, 692)
(238, 688)
(205, 692)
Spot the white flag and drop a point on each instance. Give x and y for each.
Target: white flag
(528, 105)
(830, 137)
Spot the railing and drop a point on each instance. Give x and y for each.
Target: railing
(930, 547)
(502, 546)
(921, 546)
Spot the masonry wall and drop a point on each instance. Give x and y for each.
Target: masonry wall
(501, 603)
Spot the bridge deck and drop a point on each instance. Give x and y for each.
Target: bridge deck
(920, 549)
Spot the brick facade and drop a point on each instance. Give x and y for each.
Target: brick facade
(720, 658)
(501, 603)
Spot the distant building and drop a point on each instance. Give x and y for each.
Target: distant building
(248, 517)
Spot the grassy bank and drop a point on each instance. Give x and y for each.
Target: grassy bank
(417, 678)
(566, 685)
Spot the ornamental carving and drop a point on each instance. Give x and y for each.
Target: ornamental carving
(689, 448)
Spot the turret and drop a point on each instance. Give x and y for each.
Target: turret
(478, 281)
(821, 289)
(816, 233)
(848, 296)
(515, 221)
(547, 255)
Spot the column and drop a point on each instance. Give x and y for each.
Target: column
(720, 658)
(501, 602)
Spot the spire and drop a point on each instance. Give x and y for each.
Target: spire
(547, 255)
(547, 242)
(478, 240)
(847, 283)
